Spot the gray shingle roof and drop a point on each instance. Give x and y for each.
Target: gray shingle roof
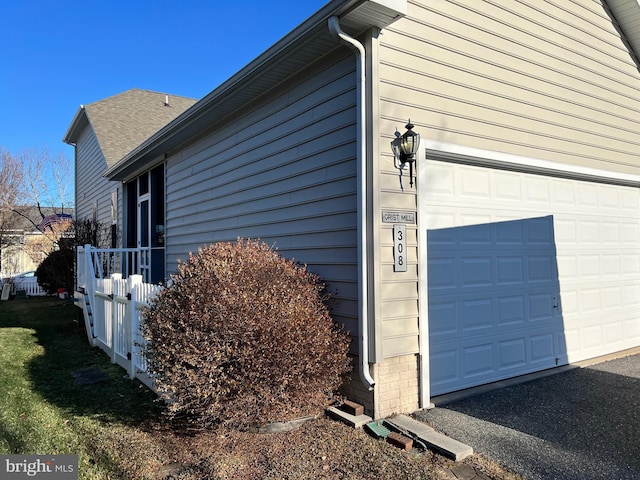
(124, 121)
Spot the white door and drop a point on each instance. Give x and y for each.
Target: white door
(525, 272)
(144, 236)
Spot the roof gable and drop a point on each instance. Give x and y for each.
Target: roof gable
(124, 121)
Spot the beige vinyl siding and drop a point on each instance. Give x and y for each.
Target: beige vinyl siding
(91, 186)
(541, 79)
(398, 314)
(283, 171)
(547, 79)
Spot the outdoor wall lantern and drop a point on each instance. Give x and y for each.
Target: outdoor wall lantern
(404, 149)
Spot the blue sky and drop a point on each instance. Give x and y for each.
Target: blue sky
(58, 54)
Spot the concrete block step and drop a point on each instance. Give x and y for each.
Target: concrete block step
(408, 424)
(447, 446)
(355, 421)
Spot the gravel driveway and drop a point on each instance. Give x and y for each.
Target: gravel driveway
(581, 424)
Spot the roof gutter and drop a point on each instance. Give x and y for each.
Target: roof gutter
(363, 256)
(71, 135)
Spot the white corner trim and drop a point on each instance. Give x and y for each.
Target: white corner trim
(423, 297)
(476, 156)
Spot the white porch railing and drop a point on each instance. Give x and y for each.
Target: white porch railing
(111, 303)
(102, 262)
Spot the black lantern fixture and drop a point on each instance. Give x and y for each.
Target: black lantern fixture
(405, 148)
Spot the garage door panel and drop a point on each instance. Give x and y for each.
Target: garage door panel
(611, 264)
(510, 270)
(476, 314)
(588, 232)
(631, 294)
(526, 272)
(513, 353)
(541, 307)
(567, 231)
(592, 336)
(475, 317)
(444, 367)
(543, 349)
(443, 318)
(540, 231)
(511, 310)
(477, 360)
(542, 268)
(590, 300)
(442, 273)
(630, 264)
(611, 297)
(632, 327)
(614, 332)
(630, 235)
(464, 364)
(611, 233)
(629, 201)
(476, 271)
(478, 235)
(510, 233)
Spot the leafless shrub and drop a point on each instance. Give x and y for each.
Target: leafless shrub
(243, 337)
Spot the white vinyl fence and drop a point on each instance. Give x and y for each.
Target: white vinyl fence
(116, 321)
(30, 287)
(112, 308)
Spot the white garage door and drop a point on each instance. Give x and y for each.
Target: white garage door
(526, 272)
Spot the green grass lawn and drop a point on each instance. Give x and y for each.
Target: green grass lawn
(117, 430)
(43, 410)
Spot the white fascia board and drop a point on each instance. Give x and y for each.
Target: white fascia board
(76, 126)
(489, 158)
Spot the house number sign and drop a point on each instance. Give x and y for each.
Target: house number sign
(398, 217)
(399, 248)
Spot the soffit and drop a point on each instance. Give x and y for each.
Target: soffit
(627, 15)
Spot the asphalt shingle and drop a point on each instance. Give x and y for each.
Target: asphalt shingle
(124, 121)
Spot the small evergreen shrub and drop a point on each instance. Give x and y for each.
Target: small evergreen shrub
(243, 337)
(56, 271)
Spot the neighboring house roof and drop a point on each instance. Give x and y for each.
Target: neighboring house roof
(303, 46)
(26, 218)
(124, 121)
(53, 219)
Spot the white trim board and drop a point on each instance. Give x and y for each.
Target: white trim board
(476, 156)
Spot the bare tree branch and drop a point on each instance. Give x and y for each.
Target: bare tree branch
(33, 184)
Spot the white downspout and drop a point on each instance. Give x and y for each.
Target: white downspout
(363, 257)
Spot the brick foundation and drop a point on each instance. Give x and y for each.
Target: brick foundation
(396, 389)
(356, 391)
(397, 386)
